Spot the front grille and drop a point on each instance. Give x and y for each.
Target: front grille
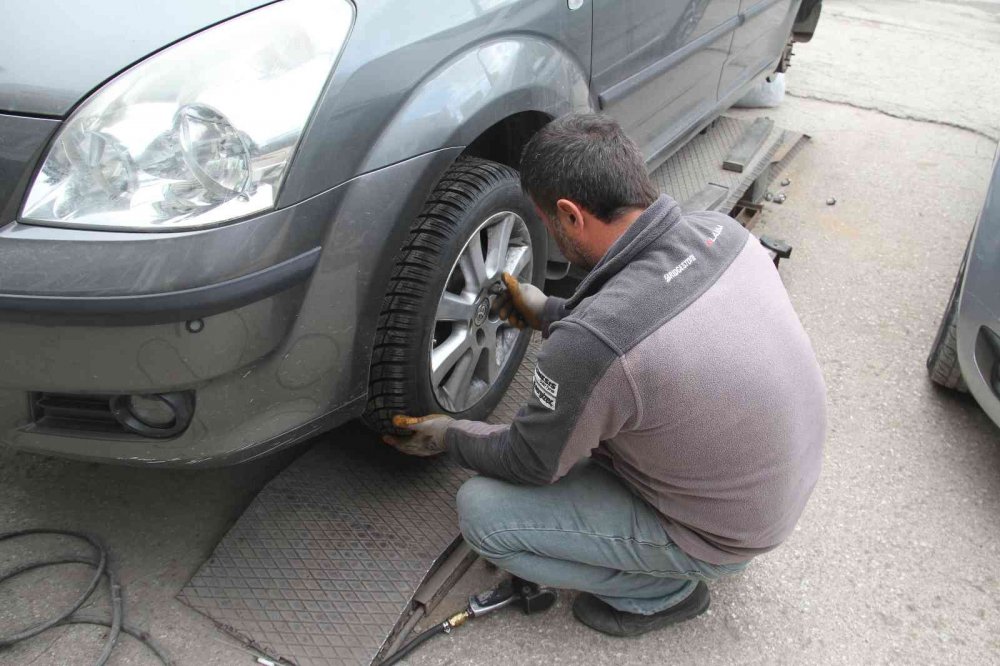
(79, 413)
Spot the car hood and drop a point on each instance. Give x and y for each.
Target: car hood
(52, 52)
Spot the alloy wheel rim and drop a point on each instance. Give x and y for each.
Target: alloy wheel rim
(470, 347)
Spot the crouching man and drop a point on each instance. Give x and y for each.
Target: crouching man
(676, 425)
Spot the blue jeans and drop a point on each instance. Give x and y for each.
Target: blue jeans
(589, 532)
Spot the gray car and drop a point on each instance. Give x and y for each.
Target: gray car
(966, 352)
(226, 226)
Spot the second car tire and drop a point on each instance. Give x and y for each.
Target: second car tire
(942, 362)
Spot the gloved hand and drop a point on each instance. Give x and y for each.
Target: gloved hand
(428, 434)
(520, 304)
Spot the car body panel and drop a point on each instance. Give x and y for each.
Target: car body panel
(656, 64)
(46, 261)
(979, 302)
(22, 141)
(436, 74)
(500, 78)
(763, 33)
(147, 358)
(47, 70)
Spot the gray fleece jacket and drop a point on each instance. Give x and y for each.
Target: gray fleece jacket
(680, 364)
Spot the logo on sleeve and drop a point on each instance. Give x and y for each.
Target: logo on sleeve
(545, 389)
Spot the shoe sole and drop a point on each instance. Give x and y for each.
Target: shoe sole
(681, 616)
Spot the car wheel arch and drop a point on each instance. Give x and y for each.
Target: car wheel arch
(478, 89)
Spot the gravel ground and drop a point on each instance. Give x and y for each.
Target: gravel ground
(895, 560)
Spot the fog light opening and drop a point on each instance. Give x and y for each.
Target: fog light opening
(160, 415)
(152, 411)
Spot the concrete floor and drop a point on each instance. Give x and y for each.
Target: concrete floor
(896, 559)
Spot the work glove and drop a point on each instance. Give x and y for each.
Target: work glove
(520, 304)
(427, 438)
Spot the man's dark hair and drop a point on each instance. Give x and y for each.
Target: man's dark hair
(588, 159)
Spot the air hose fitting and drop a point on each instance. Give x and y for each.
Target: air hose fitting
(529, 596)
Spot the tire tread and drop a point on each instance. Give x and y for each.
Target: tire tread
(418, 259)
(942, 363)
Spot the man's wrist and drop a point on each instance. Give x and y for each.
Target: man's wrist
(449, 438)
(553, 310)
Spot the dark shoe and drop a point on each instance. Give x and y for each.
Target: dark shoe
(598, 615)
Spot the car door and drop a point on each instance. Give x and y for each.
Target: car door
(758, 42)
(656, 64)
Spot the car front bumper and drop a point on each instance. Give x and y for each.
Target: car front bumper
(269, 321)
(103, 314)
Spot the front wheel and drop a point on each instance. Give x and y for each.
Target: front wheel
(438, 348)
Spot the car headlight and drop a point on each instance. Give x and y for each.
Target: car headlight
(198, 134)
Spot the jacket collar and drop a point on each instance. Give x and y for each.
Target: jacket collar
(653, 223)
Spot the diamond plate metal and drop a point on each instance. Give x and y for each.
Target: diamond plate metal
(699, 163)
(322, 566)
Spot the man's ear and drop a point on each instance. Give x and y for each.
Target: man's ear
(570, 213)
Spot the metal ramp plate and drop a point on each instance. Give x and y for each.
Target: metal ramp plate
(696, 176)
(324, 565)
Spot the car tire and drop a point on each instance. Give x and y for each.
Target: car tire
(942, 362)
(470, 194)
